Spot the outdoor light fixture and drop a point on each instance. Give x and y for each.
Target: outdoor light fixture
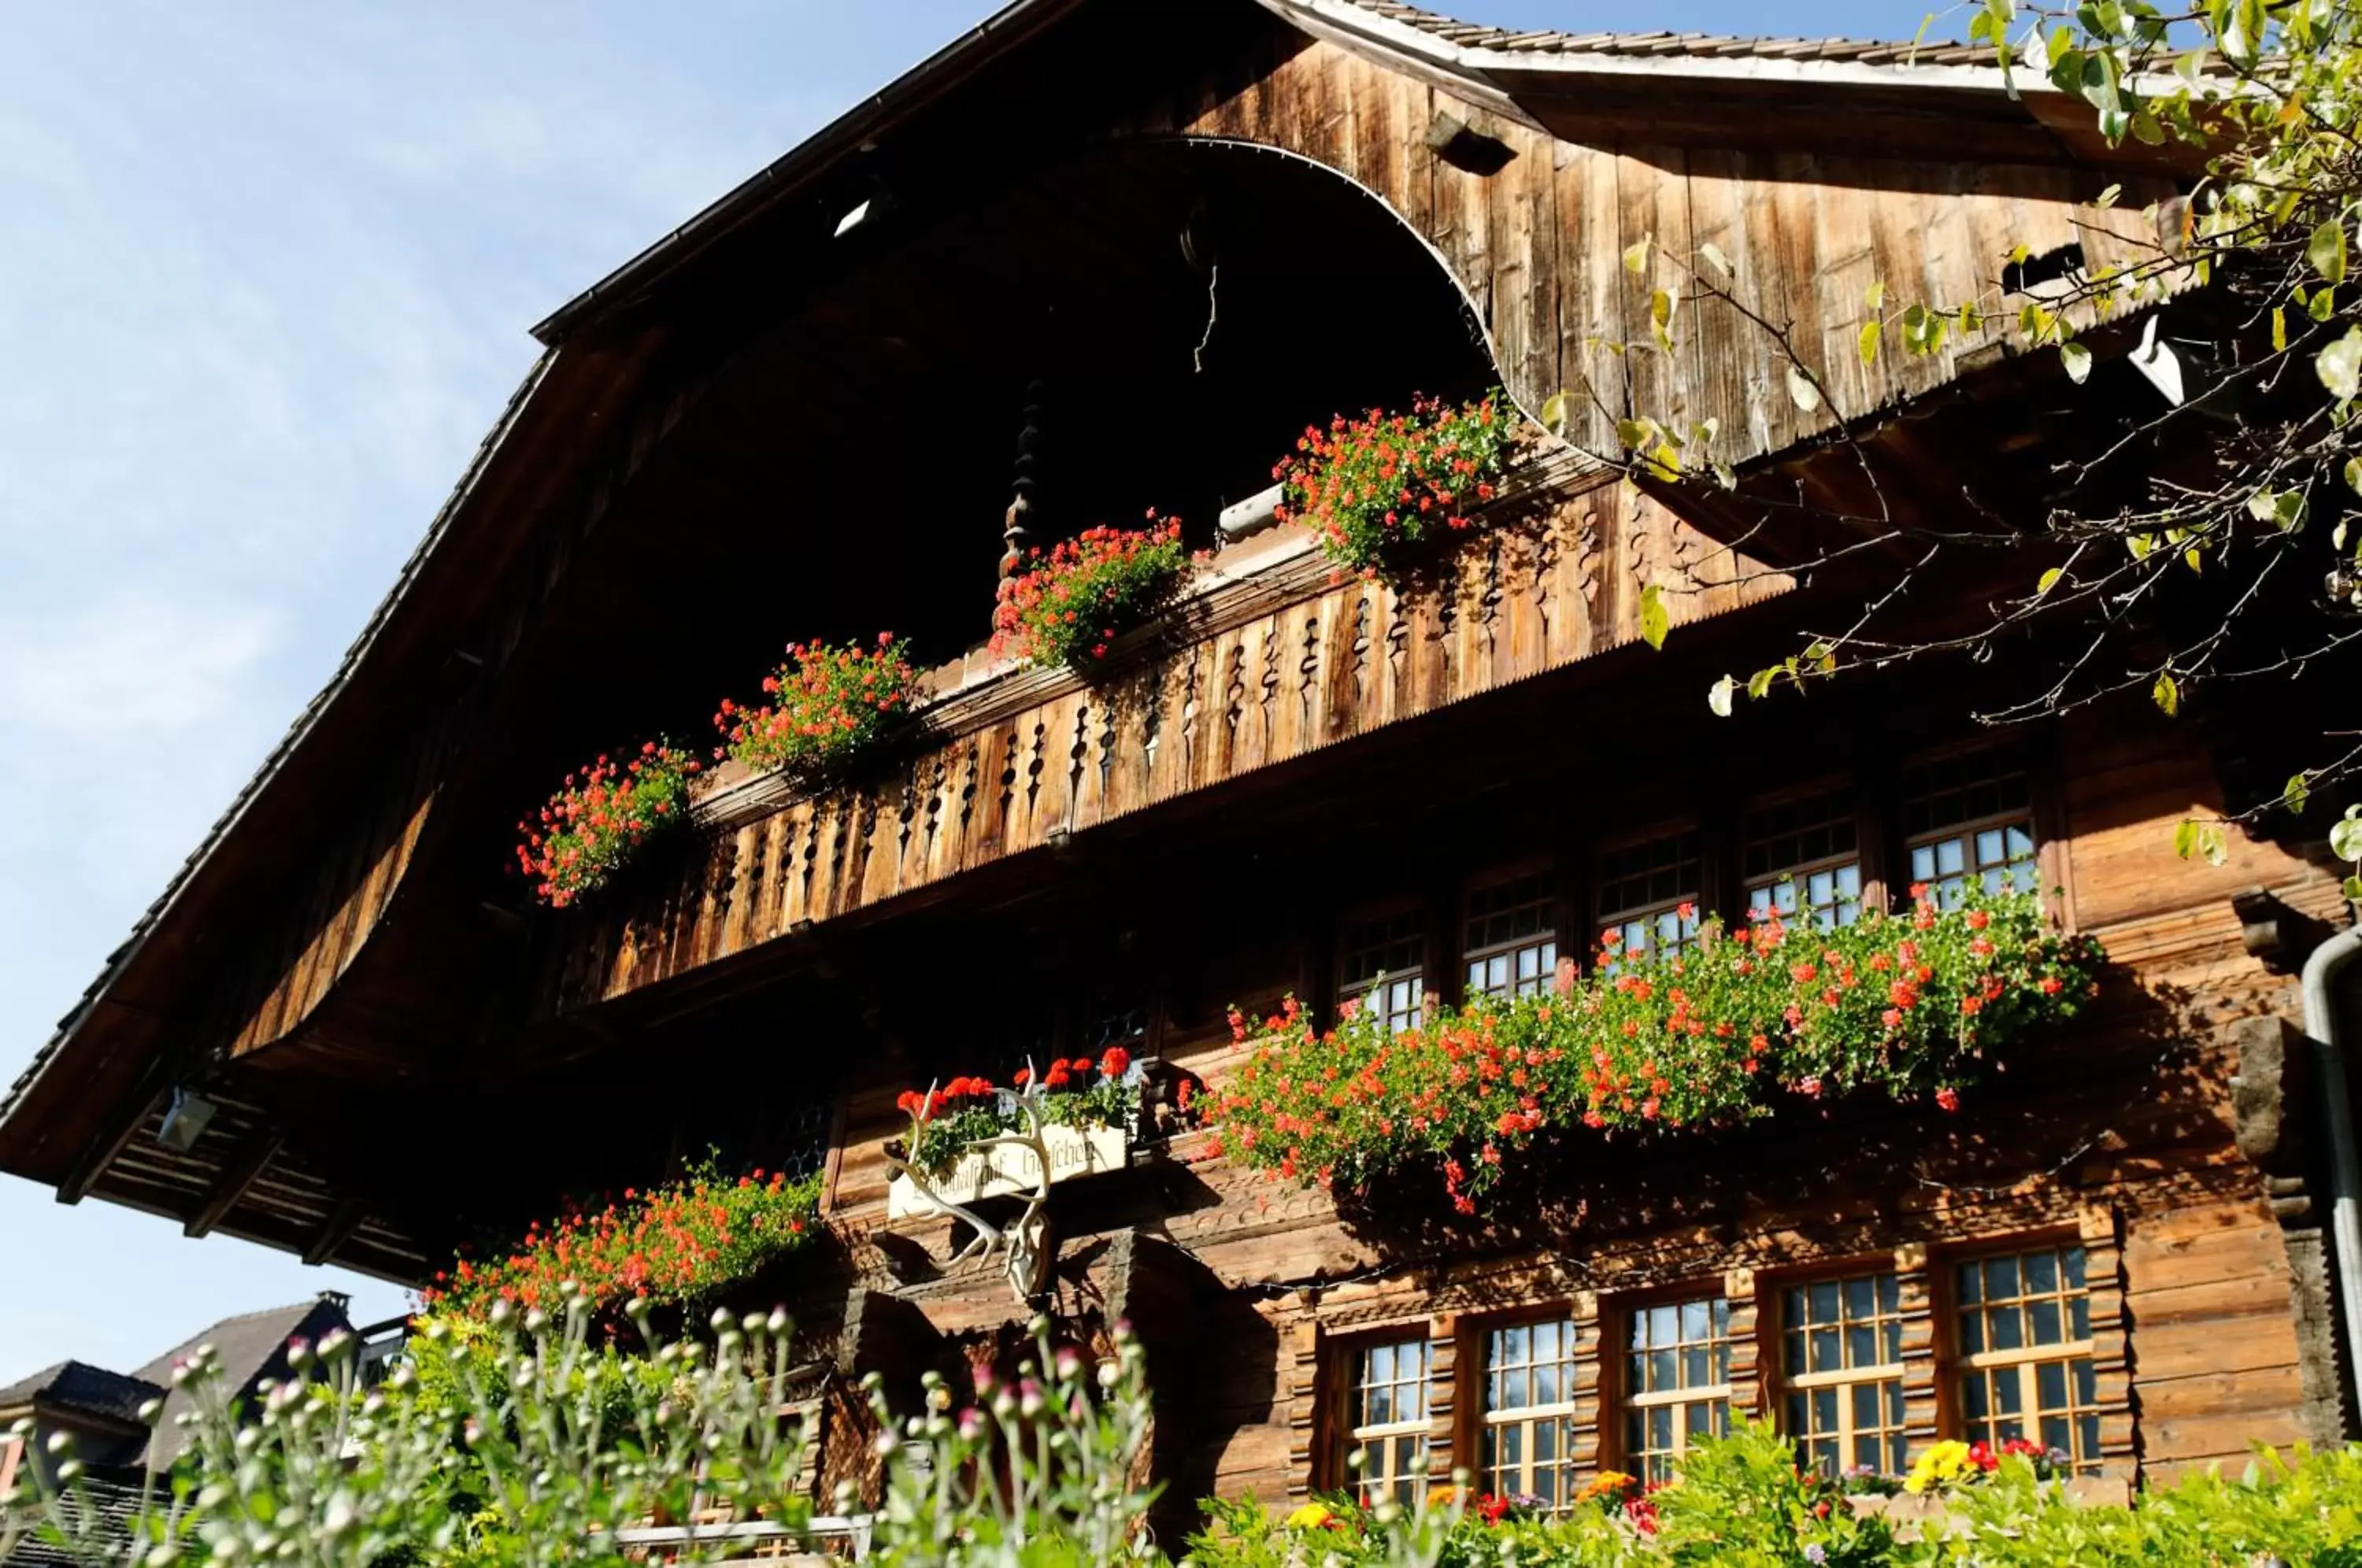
(186, 1120)
(878, 204)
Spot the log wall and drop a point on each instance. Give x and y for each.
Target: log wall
(2126, 1146)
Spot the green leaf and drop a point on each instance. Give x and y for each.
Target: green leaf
(1875, 296)
(1660, 317)
(1654, 622)
(2280, 330)
(2166, 694)
(2345, 835)
(2048, 580)
(1554, 412)
(2140, 545)
(1870, 330)
(2351, 889)
(1713, 254)
(2296, 794)
(1801, 390)
(1636, 255)
(2078, 360)
(2283, 509)
(1718, 695)
(1634, 434)
(2323, 304)
(2326, 250)
(2211, 844)
(2185, 837)
(1760, 684)
(2354, 475)
(1726, 476)
(2339, 366)
(2107, 198)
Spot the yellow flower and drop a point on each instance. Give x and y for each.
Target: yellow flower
(1943, 1462)
(1311, 1516)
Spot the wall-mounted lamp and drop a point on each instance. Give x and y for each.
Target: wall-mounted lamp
(184, 1120)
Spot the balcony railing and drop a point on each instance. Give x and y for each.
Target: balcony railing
(1266, 659)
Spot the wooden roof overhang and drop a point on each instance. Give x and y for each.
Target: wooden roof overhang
(1806, 95)
(336, 961)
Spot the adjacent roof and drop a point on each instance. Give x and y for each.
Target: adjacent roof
(85, 1389)
(251, 1347)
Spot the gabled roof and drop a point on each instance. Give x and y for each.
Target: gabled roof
(114, 1049)
(83, 1390)
(251, 1347)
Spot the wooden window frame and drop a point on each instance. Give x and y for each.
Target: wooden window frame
(2044, 811)
(1351, 922)
(1865, 831)
(1701, 895)
(1910, 1371)
(1577, 1408)
(1553, 903)
(1619, 1401)
(1337, 1435)
(2108, 1345)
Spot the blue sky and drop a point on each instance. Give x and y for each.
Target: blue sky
(265, 281)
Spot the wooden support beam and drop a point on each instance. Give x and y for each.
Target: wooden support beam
(335, 1230)
(125, 1120)
(236, 1177)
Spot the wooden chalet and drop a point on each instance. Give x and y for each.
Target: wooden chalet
(1109, 256)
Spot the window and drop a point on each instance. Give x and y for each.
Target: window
(1964, 825)
(1511, 938)
(1676, 1381)
(1383, 963)
(1805, 853)
(1385, 1421)
(2026, 1352)
(1115, 1021)
(1841, 1368)
(1644, 889)
(1530, 1411)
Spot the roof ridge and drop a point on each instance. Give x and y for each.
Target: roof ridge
(1529, 41)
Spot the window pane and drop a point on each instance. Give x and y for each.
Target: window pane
(2031, 1369)
(1850, 1410)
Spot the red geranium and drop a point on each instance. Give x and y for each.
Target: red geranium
(826, 706)
(1370, 485)
(1652, 1043)
(1068, 606)
(605, 814)
(676, 1243)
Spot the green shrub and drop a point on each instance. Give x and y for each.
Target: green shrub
(1743, 1501)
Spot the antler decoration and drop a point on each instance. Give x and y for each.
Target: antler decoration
(1025, 1241)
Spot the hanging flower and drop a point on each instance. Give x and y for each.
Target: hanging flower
(678, 1242)
(827, 706)
(1372, 485)
(1068, 606)
(587, 830)
(1652, 1043)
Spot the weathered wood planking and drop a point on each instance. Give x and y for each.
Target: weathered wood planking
(1538, 247)
(1343, 661)
(2128, 1150)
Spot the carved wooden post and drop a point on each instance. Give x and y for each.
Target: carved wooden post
(1014, 534)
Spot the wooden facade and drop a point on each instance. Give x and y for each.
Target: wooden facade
(723, 449)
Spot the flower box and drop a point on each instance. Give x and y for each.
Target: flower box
(1008, 1170)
